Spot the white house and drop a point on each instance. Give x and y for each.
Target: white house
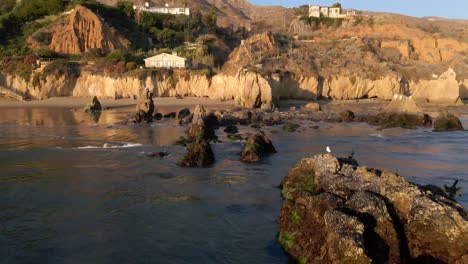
(333, 12)
(163, 10)
(165, 60)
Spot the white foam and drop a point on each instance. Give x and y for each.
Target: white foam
(107, 146)
(376, 135)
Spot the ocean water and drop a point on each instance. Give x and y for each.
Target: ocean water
(80, 189)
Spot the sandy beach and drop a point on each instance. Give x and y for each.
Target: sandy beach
(79, 102)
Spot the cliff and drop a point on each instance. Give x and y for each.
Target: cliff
(77, 33)
(247, 88)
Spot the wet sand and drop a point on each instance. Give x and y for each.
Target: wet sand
(79, 102)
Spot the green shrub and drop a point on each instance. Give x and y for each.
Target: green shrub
(36, 81)
(131, 66)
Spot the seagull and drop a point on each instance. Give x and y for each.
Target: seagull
(328, 149)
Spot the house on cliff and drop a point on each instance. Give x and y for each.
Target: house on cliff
(333, 12)
(165, 60)
(162, 9)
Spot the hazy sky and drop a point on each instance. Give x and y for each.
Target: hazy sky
(418, 8)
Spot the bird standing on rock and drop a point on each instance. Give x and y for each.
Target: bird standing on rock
(328, 149)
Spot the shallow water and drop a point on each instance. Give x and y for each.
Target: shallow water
(75, 189)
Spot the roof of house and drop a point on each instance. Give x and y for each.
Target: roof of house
(165, 56)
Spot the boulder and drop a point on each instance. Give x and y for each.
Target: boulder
(170, 115)
(93, 105)
(347, 116)
(256, 147)
(158, 116)
(312, 106)
(183, 113)
(335, 211)
(447, 122)
(199, 154)
(145, 103)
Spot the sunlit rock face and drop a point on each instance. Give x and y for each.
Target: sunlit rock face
(336, 211)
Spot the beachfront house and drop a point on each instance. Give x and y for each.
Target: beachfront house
(174, 10)
(165, 60)
(333, 12)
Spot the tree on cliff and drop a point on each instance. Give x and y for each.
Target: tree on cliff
(209, 20)
(336, 5)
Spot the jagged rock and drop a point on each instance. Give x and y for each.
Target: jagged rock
(199, 154)
(336, 211)
(312, 106)
(347, 116)
(231, 130)
(202, 128)
(447, 122)
(145, 103)
(93, 105)
(183, 113)
(257, 146)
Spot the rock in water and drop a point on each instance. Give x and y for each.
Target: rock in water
(93, 105)
(447, 122)
(401, 112)
(231, 129)
(199, 155)
(145, 103)
(256, 147)
(183, 113)
(336, 211)
(201, 129)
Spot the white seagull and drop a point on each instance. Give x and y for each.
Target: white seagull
(328, 149)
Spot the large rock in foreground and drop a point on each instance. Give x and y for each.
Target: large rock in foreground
(336, 211)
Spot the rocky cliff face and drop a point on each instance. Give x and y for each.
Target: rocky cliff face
(247, 88)
(79, 32)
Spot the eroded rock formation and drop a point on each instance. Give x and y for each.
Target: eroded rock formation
(336, 211)
(79, 32)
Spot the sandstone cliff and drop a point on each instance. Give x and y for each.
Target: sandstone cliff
(77, 33)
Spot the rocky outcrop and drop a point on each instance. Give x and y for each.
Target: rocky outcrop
(256, 147)
(402, 112)
(336, 211)
(446, 89)
(201, 127)
(93, 105)
(199, 154)
(447, 122)
(145, 103)
(81, 31)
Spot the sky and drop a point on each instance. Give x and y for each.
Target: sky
(418, 8)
